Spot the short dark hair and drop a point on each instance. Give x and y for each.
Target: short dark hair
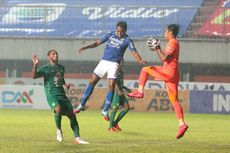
(122, 24)
(174, 28)
(48, 53)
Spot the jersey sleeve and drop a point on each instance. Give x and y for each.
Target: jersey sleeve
(106, 37)
(131, 45)
(40, 72)
(170, 48)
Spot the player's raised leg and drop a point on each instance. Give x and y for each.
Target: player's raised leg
(85, 96)
(87, 93)
(143, 77)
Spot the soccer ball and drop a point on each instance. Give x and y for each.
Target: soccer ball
(153, 43)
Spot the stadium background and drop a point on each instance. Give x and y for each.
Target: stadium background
(28, 27)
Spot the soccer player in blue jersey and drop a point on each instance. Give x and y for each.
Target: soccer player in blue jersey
(116, 44)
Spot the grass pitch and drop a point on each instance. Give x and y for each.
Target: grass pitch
(33, 131)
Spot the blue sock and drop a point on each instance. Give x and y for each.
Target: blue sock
(87, 93)
(108, 100)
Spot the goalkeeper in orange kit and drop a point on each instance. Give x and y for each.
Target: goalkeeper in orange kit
(169, 72)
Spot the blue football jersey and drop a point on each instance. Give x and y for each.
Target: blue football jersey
(116, 47)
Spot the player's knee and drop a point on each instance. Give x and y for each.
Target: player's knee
(111, 87)
(71, 114)
(147, 68)
(57, 109)
(92, 83)
(144, 69)
(127, 108)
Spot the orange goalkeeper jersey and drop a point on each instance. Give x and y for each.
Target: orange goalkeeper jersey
(172, 48)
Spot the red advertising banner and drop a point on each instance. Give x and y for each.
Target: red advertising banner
(218, 24)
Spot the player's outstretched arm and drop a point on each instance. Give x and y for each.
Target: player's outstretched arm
(137, 56)
(91, 45)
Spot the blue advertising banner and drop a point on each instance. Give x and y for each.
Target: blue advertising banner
(216, 102)
(115, 2)
(90, 18)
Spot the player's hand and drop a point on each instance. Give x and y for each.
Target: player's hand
(119, 92)
(156, 48)
(35, 59)
(143, 62)
(67, 85)
(81, 49)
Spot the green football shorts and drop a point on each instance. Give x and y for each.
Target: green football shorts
(63, 101)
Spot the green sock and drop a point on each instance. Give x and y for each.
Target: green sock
(58, 118)
(74, 125)
(112, 116)
(121, 115)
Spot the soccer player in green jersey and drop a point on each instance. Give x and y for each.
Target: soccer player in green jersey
(53, 74)
(119, 99)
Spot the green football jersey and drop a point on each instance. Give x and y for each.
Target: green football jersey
(53, 79)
